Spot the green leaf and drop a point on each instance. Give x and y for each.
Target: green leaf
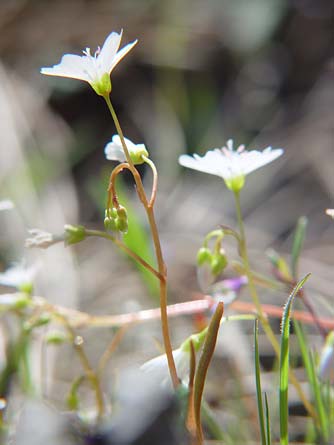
(268, 430)
(319, 402)
(284, 364)
(258, 384)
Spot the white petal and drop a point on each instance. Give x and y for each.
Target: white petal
(256, 159)
(72, 66)
(114, 152)
(201, 164)
(123, 52)
(158, 366)
(109, 50)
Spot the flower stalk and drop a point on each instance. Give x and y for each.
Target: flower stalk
(148, 205)
(263, 319)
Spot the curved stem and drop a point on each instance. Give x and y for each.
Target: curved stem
(112, 195)
(155, 180)
(263, 319)
(156, 241)
(90, 232)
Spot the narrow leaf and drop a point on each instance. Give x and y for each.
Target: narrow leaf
(268, 430)
(284, 364)
(203, 365)
(258, 384)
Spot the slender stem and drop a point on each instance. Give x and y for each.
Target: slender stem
(156, 241)
(155, 180)
(112, 195)
(132, 168)
(90, 232)
(91, 375)
(263, 319)
(110, 349)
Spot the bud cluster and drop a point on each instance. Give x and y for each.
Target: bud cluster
(116, 219)
(216, 259)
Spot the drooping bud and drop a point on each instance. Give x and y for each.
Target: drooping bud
(218, 262)
(74, 234)
(122, 225)
(204, 255)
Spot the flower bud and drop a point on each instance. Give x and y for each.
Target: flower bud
(218, 262)
(74, 234)
(55, 337)
(122, 213)
(122, 225)
(204, 255)
(110, 224)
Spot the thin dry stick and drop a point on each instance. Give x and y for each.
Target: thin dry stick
(78, 319)
(110, 349)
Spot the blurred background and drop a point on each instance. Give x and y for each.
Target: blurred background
(259, 72)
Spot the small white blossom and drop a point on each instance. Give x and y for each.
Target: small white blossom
(40, 238)
(114, 150)
(94, 69)
(18, 275)
(330, 212)
(231, 165)
(157, 367)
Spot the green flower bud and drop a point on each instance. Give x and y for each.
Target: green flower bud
(27, 288)
(110, 224)
(218, 262)
(21, 301)
(55, 337)
(122, 225)
(204, 255)
(74, 234)
(122, 213)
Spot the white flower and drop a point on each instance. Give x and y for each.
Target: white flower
(18, 275)
(231, 165)
(114, 150)
(6, 204)
(157, 367)
(94, 69)
(330, 212)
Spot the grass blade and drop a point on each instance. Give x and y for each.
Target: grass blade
(319, 401)
(258, 384)
(268, 430)
(284, 364)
